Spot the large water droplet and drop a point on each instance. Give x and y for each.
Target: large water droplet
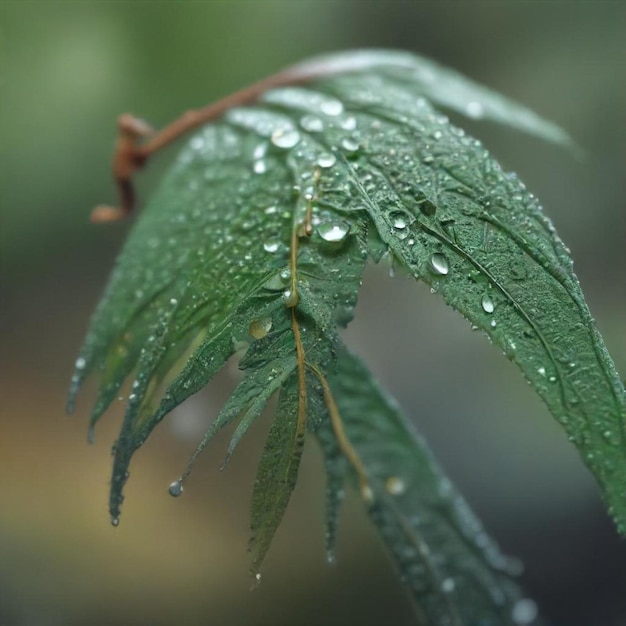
(259, 328)
(333, 232)
(524, 611)
(439, 264)
(285, 138)
(176, 488)
(331, 107)
(487, 304)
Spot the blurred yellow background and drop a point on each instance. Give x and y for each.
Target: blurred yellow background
(67, 69)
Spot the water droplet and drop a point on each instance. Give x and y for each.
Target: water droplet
(487, 304)
(493, 323)
(260, 167)
(312, 124)
(524, 611)
(439, 264)
(289, 298)
(259, 151)
(173, 301)
(349, 144)
(448, 585)
(541, 370)
(367, 494)
(348, 123)
(271, 245)
(333, 232)
(326, 160)
(257, 576)
(331, 107)
(115, 521)
(395, 486)
(197, 143)
(80, 363)
(474, 109)
(259, 328)
(285, 138)
(399, 221)
(176, 488)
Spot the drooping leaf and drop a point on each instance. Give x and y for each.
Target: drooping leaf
(455, 572)
(258, 236)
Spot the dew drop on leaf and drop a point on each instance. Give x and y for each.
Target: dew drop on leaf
(271, 245)
(285, 138)
(395, 486)
(349, 144)
(487, 304)
(312, 124)
(326, 160)
(259, 328)
(331, 107)
(260, 167)
(333, 232)
(439, 264)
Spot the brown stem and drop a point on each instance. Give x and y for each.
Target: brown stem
(131, 155)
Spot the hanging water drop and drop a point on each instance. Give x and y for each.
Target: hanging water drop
(439, 264)
(487, 304)
(115, 521)
(285, 138)
(333, 232)
(524, 612)
(176, 488)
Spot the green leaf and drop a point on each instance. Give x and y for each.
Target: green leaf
(256, 241)
(277, 475)
(455, 573)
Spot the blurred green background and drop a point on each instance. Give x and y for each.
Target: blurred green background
(67, 70)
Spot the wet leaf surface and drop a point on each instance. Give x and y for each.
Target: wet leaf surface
(258, 237)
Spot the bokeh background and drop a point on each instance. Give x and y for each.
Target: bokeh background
(67, 70)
